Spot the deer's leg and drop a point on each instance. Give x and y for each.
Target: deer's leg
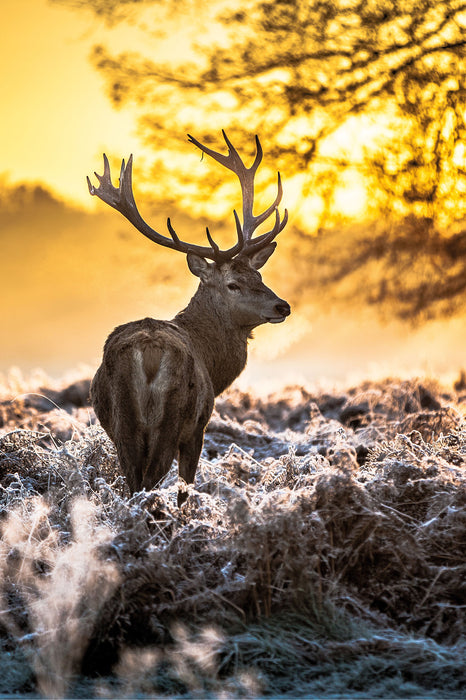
(162, 449)
(131, 455)
(188, 460)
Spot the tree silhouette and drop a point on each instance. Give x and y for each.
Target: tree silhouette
(296, 72)
(404, 268)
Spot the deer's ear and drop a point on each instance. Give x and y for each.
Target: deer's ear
(259, 259)
(199, 266)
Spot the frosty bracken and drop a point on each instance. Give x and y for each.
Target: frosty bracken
(154, 391)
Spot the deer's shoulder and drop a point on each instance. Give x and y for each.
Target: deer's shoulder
(146, 330)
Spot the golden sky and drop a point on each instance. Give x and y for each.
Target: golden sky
(65, 292)
(55, 117)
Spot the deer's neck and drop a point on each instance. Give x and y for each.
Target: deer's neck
(220, 343)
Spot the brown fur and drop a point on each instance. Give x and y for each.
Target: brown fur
(154, 391)
(151, 358)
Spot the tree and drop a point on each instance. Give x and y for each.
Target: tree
(298, 72)
(405, 268)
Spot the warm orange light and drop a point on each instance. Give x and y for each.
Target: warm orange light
(350, 199)
(56, 119)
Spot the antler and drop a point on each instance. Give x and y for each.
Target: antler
(121, 198)
(246, 178)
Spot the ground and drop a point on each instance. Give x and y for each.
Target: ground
(320, 552)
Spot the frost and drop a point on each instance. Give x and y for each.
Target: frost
(323, 538)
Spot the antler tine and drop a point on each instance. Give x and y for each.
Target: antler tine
(213, 244)
(122, 199)
(219, 157)
(172, 231)
(224, 255)
(260, 218)
(266, 238)
(233, 162)
(90, 185)
(237, 160)
(239, 231)
(259, 154)
(104, 180)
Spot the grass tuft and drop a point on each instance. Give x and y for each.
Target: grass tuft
(320, 551)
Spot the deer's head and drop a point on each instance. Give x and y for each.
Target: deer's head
(236, 285)
(232, 276)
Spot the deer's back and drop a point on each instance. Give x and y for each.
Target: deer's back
(150, 367)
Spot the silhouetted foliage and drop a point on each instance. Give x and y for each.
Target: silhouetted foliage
(405, 268)
(112, 11)
(295, 71)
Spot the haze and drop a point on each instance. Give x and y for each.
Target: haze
(72, 269)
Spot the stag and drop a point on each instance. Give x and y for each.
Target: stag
(154, 391)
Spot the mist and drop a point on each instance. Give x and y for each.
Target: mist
(70, 276)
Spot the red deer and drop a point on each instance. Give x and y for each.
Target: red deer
(154, 391)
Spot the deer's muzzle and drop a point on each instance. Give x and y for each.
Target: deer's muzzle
(282, 310)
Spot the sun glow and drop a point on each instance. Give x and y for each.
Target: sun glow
(350, 198)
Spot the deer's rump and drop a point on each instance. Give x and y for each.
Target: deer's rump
(149, 377)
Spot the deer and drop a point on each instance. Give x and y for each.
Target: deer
(154, 391)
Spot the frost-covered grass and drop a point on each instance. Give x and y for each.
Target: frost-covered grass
(321, 551)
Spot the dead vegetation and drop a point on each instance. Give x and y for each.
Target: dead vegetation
(321, 551)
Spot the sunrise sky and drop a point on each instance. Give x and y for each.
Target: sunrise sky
(64, 295)
(55, 117)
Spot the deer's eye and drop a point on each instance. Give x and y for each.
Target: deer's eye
(233, 287)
